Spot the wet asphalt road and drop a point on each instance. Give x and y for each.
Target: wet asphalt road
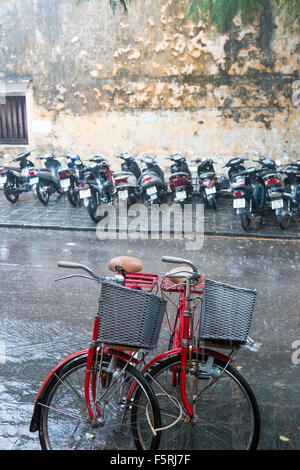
(43, 321)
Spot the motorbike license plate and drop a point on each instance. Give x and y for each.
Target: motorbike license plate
(239, 203)
(3, 179)
(180, 195)
(34, 180)
(211, 190)
(84, 193)
(151, 190)
(123, 194)
(65, 183)
(277, 204)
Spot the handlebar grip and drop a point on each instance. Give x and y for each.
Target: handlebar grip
(67, 264)
(172, 259)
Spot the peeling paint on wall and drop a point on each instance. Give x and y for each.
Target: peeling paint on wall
(94, 75)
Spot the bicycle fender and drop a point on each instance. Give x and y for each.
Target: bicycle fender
(34, 424)
(176, 352)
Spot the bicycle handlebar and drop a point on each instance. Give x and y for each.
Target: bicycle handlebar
(67, 264)
(173, 259)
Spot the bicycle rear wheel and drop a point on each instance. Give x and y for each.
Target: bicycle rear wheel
(226, 414)
(65, 424)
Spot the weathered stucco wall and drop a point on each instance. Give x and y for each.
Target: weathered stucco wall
(151, 81)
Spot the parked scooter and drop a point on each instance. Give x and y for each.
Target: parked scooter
(242, 182)
(180, 181)
(71, 177)
(97, 187)
(248, 195)
(209, 184)
(291, 183)
(49, 182)
(126, 181)
(17, 180)
(276, 197)
(152, 184)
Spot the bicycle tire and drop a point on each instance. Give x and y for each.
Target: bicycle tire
(68, 427)
(220, 424)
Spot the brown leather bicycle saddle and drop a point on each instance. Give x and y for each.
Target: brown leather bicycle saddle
(182, 274)
(128, 264)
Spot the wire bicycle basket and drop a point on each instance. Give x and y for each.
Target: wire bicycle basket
(130, 317)
(226, 313)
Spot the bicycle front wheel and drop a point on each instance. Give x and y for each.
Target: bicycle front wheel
(226, 414)
(124, 420)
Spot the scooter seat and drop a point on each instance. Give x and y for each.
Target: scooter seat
(128, 264)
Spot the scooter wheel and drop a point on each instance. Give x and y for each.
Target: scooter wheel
(212, 203)
(42, 192)
(283, 216)
(9, 192)
(245, 220)
(245, 217)
(73, 195)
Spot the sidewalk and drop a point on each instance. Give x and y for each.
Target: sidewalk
(59, 214)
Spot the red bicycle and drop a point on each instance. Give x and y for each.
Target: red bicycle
(96, 398)
(197, 399)
(205, 403)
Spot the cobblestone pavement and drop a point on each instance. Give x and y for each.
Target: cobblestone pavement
(28, 212)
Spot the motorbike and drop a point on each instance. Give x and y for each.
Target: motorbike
(248, 195)
(126, 181)
(291, 183)
(210, 185)
(241, 189)
(48, 182)
(97, 186)
(17, 180)
(152, 185)
(71, 177)
(276, 198)
(180, 180)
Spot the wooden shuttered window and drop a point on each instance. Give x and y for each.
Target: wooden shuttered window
(13, 120)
